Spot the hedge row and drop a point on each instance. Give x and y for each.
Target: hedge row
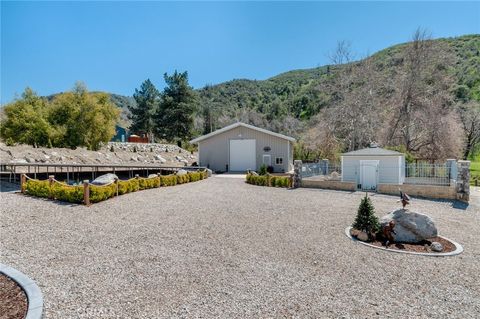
(74, 194)
(269, 180)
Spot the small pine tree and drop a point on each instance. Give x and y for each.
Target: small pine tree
(366, 220)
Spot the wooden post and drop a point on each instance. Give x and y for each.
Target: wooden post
(116, 184)
(86, 193)
(23, 182)
(51, 180)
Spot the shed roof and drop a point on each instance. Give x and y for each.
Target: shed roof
(234, 125)
(373, 151)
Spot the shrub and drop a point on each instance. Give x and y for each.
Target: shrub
(146, 183)
(37, 188)
(182, 179)
(366, 220)
(268, 180)
(263, 169)
(131, 185)
(168, 180)
(9, 141)
(67, 193)
(101, 193)
(195, 176)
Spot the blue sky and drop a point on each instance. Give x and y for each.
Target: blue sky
(114, 46)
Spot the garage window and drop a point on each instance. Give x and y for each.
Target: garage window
(279, 161)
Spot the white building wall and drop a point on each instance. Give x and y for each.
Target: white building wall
(391, 169)
(214, 151)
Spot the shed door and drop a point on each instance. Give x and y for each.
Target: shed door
(368, 174)
(242, 155)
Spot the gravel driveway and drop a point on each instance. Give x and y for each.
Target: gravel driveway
(223, 248)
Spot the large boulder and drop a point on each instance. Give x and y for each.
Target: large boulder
(209, 172)
(104, 179)
(410, 227)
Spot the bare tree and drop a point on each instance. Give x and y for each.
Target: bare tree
(422, 101)
(470, 118)
(342, 54)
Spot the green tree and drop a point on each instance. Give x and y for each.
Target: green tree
(366, 220)
(143, 114)
(25, 121)
(81, 118)
(175, 117)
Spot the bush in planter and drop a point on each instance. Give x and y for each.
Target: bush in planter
(263, 170)
(37, 188)
(67, 193)
(168, 180)
(366, 220)
(101, 193)
(132, 185)
(146, 183)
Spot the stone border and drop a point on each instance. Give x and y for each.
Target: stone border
(34, 295)
(458, 248)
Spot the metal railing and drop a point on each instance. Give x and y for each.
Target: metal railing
(427, 174)
(328, 171)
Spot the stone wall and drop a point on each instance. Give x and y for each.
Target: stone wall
(297, 170)
(429, 191)
(339, 185)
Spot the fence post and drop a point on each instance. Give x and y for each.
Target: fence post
(86, 193)
(463, 181)
(51, 180)
(324, 165)
(116, 184)
(452, 169)
(23, 182)
(297, 173)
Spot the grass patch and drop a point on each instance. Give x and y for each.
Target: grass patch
(475, 172)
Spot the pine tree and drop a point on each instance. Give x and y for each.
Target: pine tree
(366, 220)
(175, 116)
(143, 114)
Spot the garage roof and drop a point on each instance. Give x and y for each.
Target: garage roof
(372, 151)
(234, 125)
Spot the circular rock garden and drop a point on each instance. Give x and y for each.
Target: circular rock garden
(402, 230)
(13, 300)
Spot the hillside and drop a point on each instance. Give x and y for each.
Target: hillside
(288, 102)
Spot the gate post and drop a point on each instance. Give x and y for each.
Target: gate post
(23, 183)
(463, 181)
(297, 173)
(452, 170)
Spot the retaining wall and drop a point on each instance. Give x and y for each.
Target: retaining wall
(429, 191)
(345, 186)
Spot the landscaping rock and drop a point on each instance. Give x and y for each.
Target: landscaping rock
(104, 179)
(209, 172)
(436, 246)
(363, 236)
(410, 227)
(19, 161)
(181, 172)
(152, 175)
(30, 160)
(159, 158)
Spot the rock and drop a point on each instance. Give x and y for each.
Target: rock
(209, 172)
(152, 175)
(363, 236)
(181, 172)
(436, 246)
(184, 161)
(410, 227)
(104, 179)
(254, 173)
(178, 158)
(54, 153)
(159, 158)
(19, 161)
(30, 160)
(134, 159)
(47, 157)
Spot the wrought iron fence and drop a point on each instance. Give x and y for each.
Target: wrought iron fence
(328, 171)
(428, 174)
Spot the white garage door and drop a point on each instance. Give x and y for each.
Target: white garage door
(242, 155)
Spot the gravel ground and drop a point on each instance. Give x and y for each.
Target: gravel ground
(223, 248)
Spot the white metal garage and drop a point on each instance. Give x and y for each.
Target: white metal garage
(240, 147)
(242, 155)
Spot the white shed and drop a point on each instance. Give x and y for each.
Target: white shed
(373, 165)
